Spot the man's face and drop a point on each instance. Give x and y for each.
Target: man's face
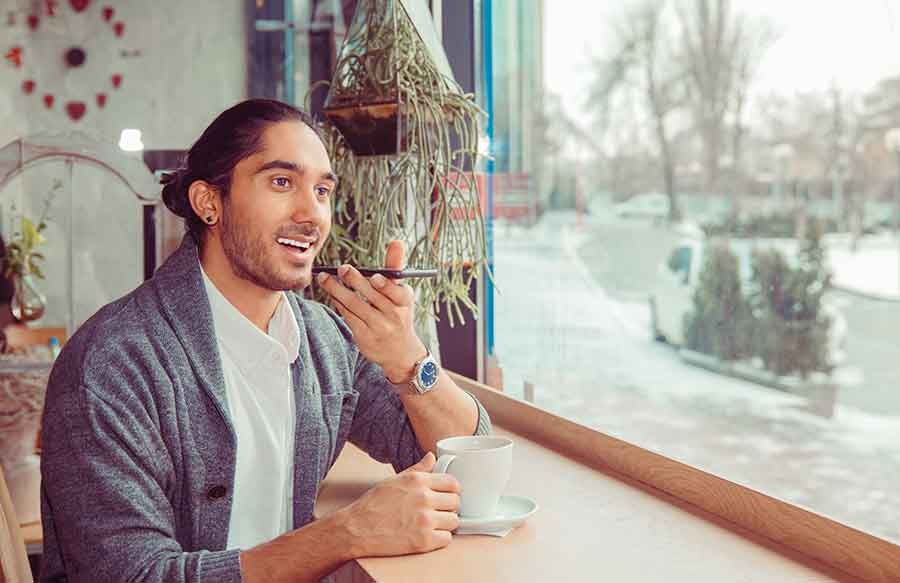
(277, 215)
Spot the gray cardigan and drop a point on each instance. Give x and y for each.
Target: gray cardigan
(138, 454)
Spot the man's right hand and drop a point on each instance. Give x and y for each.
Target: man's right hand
(413, 512)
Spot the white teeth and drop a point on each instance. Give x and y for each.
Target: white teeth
(293, 243)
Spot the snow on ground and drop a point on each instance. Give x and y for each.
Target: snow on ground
(872, 268)
(592, 360)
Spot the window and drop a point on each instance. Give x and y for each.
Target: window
(767, 188)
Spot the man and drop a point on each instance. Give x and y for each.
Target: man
(188, 425)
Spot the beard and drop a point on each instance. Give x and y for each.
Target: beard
(251, 258)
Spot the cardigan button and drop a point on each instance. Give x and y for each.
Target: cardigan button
(216, 492)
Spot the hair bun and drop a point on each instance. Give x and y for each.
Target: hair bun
(174, 192)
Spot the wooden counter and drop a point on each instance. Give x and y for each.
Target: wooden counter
(590, 527)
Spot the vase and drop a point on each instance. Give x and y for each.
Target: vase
(28, 303)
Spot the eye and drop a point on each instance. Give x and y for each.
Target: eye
(323, 191)
(282, 182)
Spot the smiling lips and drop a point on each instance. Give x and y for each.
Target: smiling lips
(299, 247)
(296, 243)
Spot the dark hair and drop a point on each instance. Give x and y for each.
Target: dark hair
(234, 135)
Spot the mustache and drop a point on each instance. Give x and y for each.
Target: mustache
(302, 230)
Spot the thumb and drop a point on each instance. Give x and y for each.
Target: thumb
(395, 256)
(423, 465)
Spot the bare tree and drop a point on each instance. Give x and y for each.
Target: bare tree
(641, 65)
(560, 140)
(758, 36)
(721, 49)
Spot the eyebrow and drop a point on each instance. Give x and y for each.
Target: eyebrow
(292, 167)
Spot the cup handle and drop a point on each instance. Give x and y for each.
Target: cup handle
(443, 464)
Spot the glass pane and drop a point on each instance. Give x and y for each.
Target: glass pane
(663, 208)
(103, 235)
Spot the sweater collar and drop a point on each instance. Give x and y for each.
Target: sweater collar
(178, 284)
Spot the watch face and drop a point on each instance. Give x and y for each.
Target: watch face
(429, 374)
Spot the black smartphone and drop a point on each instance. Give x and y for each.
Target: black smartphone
(388, 273)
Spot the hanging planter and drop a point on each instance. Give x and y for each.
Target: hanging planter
(403, 139)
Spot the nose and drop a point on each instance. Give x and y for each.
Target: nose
(309, 208)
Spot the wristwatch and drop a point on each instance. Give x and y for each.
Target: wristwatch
(425, 376)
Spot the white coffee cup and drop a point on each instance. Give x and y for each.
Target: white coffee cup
(482, 465)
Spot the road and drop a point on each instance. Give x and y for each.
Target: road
(623, 257)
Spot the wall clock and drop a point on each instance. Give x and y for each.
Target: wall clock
(71, 54)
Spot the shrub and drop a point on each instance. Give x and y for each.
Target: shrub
(720, 320)
(791, 331)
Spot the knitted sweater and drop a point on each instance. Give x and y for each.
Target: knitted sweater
(138, 456)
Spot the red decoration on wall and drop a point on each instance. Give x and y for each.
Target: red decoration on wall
(73, 56)
(79, 5)
(76, 109)
(14, 56)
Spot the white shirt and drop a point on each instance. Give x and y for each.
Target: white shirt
(260, 394)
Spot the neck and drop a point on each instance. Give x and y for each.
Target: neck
(256, 303)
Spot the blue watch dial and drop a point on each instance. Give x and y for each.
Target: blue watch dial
(428, 374)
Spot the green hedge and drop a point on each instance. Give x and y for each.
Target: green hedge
(778, 317)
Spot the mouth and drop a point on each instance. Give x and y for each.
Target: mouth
(299, 248)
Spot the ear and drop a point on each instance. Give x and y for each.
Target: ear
(205, 200)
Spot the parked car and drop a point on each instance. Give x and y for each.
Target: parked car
(650, 205)
(677, 278)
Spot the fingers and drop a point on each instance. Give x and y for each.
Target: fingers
(365, 287)
(423, 465)
(440, 539)
(395, 256)
(378, 291)
(445, 521)
(399, 293)
(442, 483)
(352, 319)
(445, 501)
(346, 296)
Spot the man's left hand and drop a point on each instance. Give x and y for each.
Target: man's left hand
(381, 314)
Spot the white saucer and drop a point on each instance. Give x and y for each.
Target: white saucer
(511, 512)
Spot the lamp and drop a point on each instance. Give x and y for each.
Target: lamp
(130, 140)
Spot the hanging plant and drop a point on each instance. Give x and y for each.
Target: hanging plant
(403, 139)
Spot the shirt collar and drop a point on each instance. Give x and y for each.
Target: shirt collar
(246, 343)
